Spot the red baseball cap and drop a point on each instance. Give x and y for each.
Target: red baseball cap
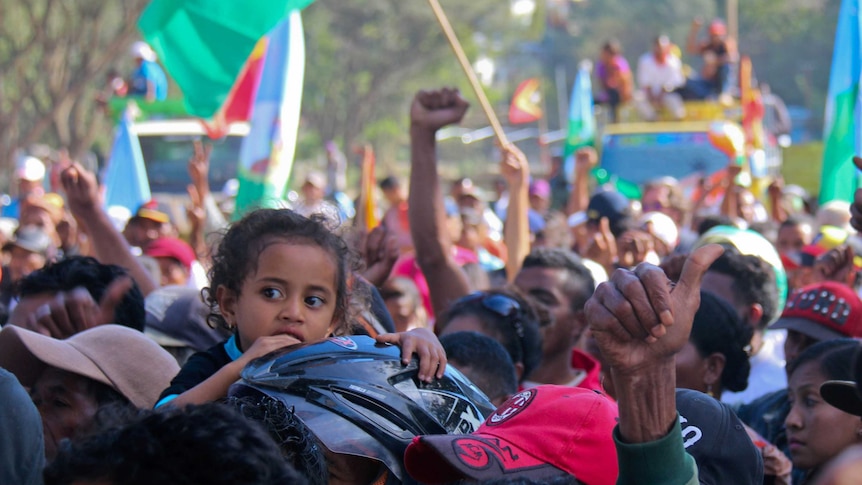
(169, 247)
(823, 311)
(540, 433)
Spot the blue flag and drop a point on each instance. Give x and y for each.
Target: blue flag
(126, 177)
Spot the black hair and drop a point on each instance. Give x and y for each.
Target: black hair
(484, 361)
(520, 335)
(834, 356)
(390, 182)
(298, 444)
(239, 249)
(209, 443)
(753, 282)
(717, 328)
(84, 271)
(579, 284)
(711, 221)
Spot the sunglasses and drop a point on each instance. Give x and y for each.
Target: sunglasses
(503, 306)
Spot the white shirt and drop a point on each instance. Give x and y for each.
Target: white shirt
(767, 371)
(655, 77)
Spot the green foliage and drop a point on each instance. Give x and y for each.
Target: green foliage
(365, 60)
(53, 58)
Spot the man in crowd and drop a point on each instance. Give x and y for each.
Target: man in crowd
(557, 279)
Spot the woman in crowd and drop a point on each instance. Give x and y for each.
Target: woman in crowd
(818, 432)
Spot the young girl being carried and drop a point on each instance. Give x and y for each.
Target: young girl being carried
(279, 279)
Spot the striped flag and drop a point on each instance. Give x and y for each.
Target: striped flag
(842, 126)
(126, 178)
(240, 99)
(204, 44)
(266, 156)
(582, 122)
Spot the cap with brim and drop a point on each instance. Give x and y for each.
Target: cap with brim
(842, 395)
(153, 215)
(807, 328)
(31, 169)
(31, 238)
(116, 356)
(473, 457)
(524, 438)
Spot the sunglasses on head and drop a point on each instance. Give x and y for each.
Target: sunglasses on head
(500, 305)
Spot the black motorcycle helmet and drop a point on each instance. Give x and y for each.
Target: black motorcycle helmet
(358, 398)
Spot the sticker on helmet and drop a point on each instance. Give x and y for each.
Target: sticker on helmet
(345, 342)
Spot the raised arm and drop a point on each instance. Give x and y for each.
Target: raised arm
(430, 111)
(640, 321)
(108, 245)
(516, 232)
(691, 45)
(586, 159)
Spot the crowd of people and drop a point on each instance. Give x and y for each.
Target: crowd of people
(539, 333)
(663, 81)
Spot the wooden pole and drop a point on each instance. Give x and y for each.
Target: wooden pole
(733, 20)
(468, 69)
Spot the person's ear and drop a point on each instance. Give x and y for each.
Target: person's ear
(755, 314)
(227, 300)
(519, 370)
(713, 368)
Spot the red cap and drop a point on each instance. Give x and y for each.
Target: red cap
(540, 433)
(823, 311)
(169, 247)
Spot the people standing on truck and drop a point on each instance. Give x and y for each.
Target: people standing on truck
(659, 75)
(615, 78)
(148, 80)
(719, 53)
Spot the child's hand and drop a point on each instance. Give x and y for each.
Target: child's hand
(424, 343)
(265, 345)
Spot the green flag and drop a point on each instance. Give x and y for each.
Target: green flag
(203, 44)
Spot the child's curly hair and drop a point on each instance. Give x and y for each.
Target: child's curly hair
(236, 256)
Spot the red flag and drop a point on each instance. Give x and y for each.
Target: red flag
(526, 103)
(240, 99)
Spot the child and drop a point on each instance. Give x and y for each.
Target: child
(279, 279)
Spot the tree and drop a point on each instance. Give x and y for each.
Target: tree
(53, 57)
(366, 59)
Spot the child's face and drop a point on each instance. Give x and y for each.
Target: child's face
(292, 292)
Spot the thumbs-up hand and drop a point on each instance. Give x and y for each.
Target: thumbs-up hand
(640, 318)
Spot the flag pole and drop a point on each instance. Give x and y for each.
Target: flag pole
(468, 69)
